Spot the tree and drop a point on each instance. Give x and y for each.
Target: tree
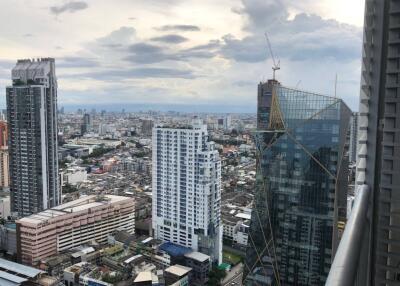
(68, 188)
(215, 276)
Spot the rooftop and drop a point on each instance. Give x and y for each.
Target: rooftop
(197, 256)
(78, 205)
(143, 277)
(12, 273)
(178, 270)
(174, 249)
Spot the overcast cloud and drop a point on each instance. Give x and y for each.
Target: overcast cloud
(210, 52)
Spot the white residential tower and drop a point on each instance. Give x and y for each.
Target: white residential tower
(187, 188)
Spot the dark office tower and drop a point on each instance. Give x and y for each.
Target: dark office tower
(32, 119)
(87, 123)
(378, 163)
(300, 199)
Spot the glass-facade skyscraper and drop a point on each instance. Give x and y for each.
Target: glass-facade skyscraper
(300, 201)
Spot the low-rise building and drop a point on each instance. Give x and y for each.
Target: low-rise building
(200, 265)
(81, 274)
(90, 218)
(14, 274)
(178, 275)
(74, 175)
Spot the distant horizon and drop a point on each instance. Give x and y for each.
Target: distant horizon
(184, 108)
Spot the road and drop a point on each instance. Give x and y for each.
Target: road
(234, 277)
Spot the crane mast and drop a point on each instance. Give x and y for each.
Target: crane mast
(276, 65)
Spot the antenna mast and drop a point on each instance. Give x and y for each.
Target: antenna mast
(276, 66)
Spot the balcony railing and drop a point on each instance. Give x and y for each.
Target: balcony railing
(351, 263)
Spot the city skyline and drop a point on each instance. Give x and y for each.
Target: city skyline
(185, 56)
(219, 143)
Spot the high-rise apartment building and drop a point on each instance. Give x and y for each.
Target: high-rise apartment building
(32, 119)
(187, 188)
(147, 127)
(378, 163)
(300, 198)
(353, 144)
(4, 157)
(87, 123)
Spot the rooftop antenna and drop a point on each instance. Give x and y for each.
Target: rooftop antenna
(276, 66)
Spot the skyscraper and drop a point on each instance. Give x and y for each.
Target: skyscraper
(87, 123)
(378, 163)
(4, 158)
(32, 118)
(187, 188)
(353, 144)
(300, 200)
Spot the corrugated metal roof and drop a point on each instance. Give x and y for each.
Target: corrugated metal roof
(5, 282)
(13, 279)
(19, 268)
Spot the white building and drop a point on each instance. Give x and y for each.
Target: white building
(227, 122)
(74, 175)
(187, 189)
(5, 210)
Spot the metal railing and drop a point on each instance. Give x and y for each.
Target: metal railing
(346, 264)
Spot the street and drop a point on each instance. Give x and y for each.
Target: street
(234, 277)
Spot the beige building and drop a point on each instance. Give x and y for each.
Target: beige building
(4, 173)
(87, 219)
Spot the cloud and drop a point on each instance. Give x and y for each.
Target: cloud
(77, 62)
(170, 39)
(145, 53)
(303, 38)
(184, 28)
(150, 72)
(124, 35)
(70, 7)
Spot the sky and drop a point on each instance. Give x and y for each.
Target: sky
(185, 52)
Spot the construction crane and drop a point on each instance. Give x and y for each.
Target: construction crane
(276, 66)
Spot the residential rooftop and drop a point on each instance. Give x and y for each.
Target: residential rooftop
(198, 256)
(178, 270)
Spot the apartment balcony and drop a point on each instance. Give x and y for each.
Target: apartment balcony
(350, 265)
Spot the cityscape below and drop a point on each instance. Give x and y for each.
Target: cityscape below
(298, 189)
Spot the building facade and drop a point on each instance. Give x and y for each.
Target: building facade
(301, 186)
(4, 156)
(69, 225)
(187, 189)
(378, 163)
(147, 127)
(353, 144)
(87, 124)
(32, 119)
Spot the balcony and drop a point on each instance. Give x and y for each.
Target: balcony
(350, 265)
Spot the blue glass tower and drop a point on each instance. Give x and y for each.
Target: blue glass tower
(300, 200)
